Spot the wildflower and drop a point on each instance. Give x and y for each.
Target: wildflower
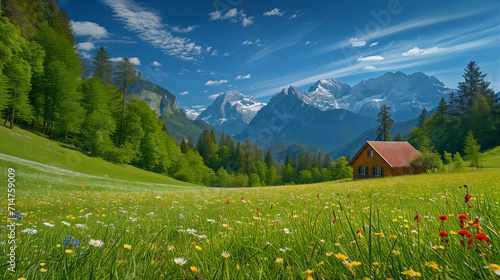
(375, 263)
(49, 224)
(483, 237)
(393, 237)
(463, 232)
(396, 252)
(412, 273)
(310, 277)
(193, 269)
(432, 264)
(341, 256)
(462, 217)
(287, 231)
(180, 261)
(353, 264)
(42, 264)
(43, 270)
(321, 263)
(442, 218)
(329, 254)
(198, 248)
(225, 254)
(171, 247)
(495, 268)
(417, 218)
(309, 271)
(439, 247)
(380, 234)
(443, 234)
(126, 246)
(96, 243)
(58, 245)
(279, 260)
(22, 278)
(67, 239)
(68, 251)
(467, 197)
(77, 242)
(181, 216)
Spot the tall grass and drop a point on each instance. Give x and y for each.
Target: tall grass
(351, 230)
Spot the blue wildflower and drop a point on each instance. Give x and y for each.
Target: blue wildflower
(67, 239)
(120, 215)
(77, 242)
(181, 216)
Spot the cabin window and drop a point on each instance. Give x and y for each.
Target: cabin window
(370, 153)
(363, 170)
(378, 171)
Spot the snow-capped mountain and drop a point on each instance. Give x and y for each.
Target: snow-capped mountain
(292, 116)
(407, 94)
(231, 111)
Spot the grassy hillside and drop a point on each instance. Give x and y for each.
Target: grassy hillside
(491, 158)
(28, 146)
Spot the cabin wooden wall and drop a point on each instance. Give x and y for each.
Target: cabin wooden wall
(376, 160)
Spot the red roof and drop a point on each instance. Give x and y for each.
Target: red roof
(395, 153)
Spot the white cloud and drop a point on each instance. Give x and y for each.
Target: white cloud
(184, 92)
(215, 83)
(188, 29)
(371, 58)
(197, 106)
(274, 12)
(373, 44)
(86, 46)
(355, 42)
(214, 53)
(226, 54)
(233, 15)
(256, 42)
(213, 96)
(183, 70)
(191, 113)
(311, 43)
(370, 67)
(135, 60)
(156, 64)
(297, 14)
(243, 77)
(417, 51)
(148, 26)
(87, 28)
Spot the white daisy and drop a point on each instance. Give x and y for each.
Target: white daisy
(180, 261)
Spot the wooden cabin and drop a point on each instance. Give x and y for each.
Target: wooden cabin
(384, 158)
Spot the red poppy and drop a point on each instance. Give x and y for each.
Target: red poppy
(443, 217)
(359, 230)
(467, 197)
(465, 186)
(483, 237)
(469, 235)
(242, 198)
(318, 195)
(417, 218)
(442, 233)
(463, 232)
(227, 201)
(258, 209)
(471, 241)
(462, 217)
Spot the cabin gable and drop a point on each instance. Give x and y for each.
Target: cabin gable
(369, 159)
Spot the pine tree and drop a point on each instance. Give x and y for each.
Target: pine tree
(222, 140)
(269, 159)
(288, 160)
(184, 145)
(126, 77)
(386, 123)
(474, 82)
(327, 163)
(422, 118)
(472, 150)
(101, 65)
(398, 137)
(453, 103)
(191, 142)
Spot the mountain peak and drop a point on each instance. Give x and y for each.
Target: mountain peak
(231, 111)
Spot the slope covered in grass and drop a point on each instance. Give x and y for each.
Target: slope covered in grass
(491, 158)
(27, 146)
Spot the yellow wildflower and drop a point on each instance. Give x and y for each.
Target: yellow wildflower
(412, 273)
(68, 251)
(279, 260)
(341, 256)
(432, 264)
(380, 234)
(393, 237)
(329, 254)
(193, 269)
(198, 248)
(126, 246)
(42, 264)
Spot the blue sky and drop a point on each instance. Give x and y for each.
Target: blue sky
(198, 49)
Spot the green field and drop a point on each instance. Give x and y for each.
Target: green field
(293, 232)
(491, 158)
